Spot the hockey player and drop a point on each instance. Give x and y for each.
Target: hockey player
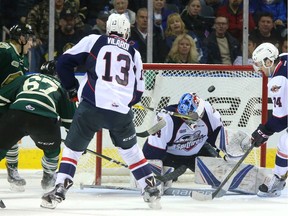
(113, 84)
(14, 63)
(181, 141)
(266, 58)
(35, 103)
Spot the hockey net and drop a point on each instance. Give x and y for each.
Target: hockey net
(237, 96)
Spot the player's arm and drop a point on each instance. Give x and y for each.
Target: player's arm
(72, 58)
(278, 121)
(140, 85)
(156, 145)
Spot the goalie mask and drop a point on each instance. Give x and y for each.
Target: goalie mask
(189, 102)
(118, 24)
(263, 57)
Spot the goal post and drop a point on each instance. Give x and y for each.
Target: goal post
(240, 96)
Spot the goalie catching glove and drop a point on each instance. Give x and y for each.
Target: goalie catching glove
(260, 135)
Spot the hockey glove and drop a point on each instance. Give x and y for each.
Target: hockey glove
(260, 135)
(72, 95)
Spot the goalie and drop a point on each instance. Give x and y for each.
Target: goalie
(179, 143)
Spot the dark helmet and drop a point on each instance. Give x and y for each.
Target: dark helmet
(21, 30)
(49, 68)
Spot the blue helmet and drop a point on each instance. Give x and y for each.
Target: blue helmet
(187, 103)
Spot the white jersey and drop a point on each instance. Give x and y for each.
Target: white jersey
(114, 79)
(178, 138)
(278, 92)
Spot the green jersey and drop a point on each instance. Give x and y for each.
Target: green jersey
(12, 64)
(39, 94)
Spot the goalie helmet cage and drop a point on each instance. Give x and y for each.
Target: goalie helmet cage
(240, 96)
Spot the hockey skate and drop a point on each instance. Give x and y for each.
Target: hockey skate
(57, 195)
(151, 194)
(272, 187)
(16, 182)
(48, 180)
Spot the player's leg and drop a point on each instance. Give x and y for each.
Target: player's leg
(78, 138)
(12, 130)
(273, 186)
(123, 135)
(46, 134)
(14, 177)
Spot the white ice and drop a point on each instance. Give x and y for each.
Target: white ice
(104, 202)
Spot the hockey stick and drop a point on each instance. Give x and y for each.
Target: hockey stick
(173, 175)
(2, 205)
(154, 129)
(107, 158)
(225, 184)
(192, 116)
(104, 157)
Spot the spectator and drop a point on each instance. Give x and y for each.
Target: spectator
(100, 26)
(93, 7)
(138, 38)
(38, 18)
(23, 7)
(121, 7)
(67, 36)
(276, 7)
(265, 31)
(251, 46)
(222, 47)
(194, 21)
(135, 5)
(183, 50)
(211, 7)
(284, 46)
(175, 27)
(161, 14)
(233, 10)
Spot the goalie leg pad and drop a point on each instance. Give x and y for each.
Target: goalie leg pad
(211, 171)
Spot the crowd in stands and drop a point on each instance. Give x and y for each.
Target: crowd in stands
(184, 31)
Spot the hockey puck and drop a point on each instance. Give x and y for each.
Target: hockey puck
(211, 88)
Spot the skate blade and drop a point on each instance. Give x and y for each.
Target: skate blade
(17, 188)
(274, 194)
(155, 204)
(48, 205)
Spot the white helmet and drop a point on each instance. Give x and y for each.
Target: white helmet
(118, 24)
(263, 52)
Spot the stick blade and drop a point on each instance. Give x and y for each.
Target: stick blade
(2, 205)
(202, 195)
(157, 127)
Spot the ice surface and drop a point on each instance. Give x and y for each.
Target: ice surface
(107, 202)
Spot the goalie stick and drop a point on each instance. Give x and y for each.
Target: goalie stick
(2, 205)
(192, 116)
(154, 129)
(173, 175)
(225, 184)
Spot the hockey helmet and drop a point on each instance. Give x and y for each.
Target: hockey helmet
(262, 53)
(118, 24)
(21, 30)
(49, 68)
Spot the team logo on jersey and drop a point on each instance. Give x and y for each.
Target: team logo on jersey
(15, 64)
(29, 107)
(275, 88)
(189, 141)
(115, 105)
